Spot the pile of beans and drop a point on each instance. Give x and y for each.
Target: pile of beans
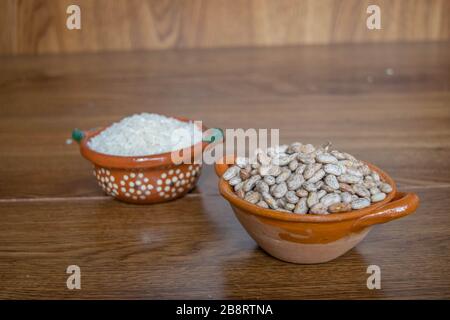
(302, 179)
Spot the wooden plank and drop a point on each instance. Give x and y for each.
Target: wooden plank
(195, 248)
(399, 122)
(141, 24)
(8, 32)
(53, 214)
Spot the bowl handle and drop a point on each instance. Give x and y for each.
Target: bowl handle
(404, 203)
(223, 164)
(78, 135)
(214, 135)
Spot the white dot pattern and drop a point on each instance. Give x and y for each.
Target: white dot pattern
(138, 185)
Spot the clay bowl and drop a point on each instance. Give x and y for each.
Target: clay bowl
(142, 179)
(315, 238)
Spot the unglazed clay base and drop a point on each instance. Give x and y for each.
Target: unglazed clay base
(288, 246)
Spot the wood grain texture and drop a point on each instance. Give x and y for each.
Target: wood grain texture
(196, 248)
(39, 26)
(8, 27)
(54, 215)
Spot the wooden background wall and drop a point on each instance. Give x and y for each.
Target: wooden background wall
(38, 26)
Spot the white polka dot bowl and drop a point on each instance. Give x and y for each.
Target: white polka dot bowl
(142, 179)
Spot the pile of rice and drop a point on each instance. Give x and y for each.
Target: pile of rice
(145, 134)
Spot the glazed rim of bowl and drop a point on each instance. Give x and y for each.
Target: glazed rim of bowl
(146, 161)
(227, 193)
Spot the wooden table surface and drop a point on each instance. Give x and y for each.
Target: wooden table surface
(388, 104)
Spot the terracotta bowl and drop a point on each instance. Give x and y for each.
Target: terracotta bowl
(142, 179)
(315, 238)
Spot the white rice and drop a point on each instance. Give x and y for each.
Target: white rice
(145, 134)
